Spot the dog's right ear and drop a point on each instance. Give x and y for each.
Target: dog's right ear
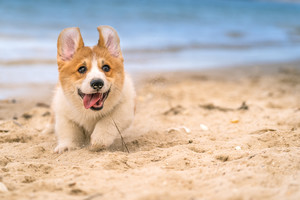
(108, 38)
(69, 41)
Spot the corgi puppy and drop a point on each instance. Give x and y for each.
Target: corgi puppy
(94, 98)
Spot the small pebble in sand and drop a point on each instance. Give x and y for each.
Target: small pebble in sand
(187, 130)
(3, 187)
(203, 127)
(238, 148)
(234, 121)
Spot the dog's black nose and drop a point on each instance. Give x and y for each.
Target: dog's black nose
(97, 84)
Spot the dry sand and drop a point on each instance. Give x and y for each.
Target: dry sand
(241, 151)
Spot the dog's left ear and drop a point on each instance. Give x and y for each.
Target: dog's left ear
(108, 38)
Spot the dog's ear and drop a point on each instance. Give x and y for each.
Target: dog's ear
(69, 41)
(108, 38)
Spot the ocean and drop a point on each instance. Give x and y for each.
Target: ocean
(155, 35)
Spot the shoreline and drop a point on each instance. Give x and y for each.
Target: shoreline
(32, 93)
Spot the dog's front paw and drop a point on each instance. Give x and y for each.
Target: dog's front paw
(60, 148)
(97, 147)
(99, 143)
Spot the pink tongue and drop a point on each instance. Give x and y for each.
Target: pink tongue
(90, 100)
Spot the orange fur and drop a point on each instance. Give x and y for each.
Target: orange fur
(68, 69)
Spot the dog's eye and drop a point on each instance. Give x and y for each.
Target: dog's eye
(106, 68)
(82, 69)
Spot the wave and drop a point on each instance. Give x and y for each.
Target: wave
(131, 53)
(202, 46)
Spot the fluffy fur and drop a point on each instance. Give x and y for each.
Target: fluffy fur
(75, 125)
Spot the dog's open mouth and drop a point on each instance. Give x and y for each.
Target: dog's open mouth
(93, 101)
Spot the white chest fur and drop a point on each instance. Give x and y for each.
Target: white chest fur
(73, 120)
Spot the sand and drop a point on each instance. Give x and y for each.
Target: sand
(218, 134)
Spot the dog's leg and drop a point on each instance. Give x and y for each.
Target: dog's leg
(103, 135)
(106, 132)
(50, 126)
(70, 135)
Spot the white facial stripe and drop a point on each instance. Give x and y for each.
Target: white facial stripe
(95, 73)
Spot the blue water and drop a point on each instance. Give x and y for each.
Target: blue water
(155, 35)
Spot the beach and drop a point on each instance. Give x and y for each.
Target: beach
(217, 106)
(224, 133)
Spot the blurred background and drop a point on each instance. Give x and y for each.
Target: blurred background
(155, 35)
